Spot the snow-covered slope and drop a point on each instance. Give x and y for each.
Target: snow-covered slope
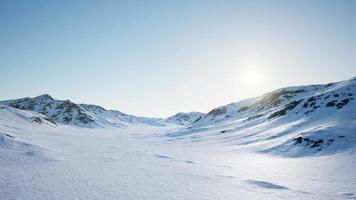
(293, 121)
(9, 115)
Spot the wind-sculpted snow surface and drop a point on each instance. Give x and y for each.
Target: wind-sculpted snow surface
(63, 162)
(18, 153)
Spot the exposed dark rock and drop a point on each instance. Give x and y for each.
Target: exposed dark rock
(284, 110)
(217, 111)
(197, 119)
(273, 99)
(242, 109)
(330, 141)
(85, 119)
(271, 137)
(10, 136)
(311, 99)
(312, 143)
(41, 120)
(317, 143)
(342, 103)
(37, 120)
(329, 85)
(67, 119)
(298, 140)
(253, 117)
(331, 103)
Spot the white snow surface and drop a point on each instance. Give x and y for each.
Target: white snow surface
(271, 147)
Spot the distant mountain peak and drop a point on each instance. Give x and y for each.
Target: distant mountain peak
(44, 96)
(182, 118)
(82, 115)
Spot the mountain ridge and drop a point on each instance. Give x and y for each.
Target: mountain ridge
(89, 115)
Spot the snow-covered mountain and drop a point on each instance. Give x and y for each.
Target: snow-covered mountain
(85, 115)
(82, 115)
(184, 118)
(292, 121)
(306, 100)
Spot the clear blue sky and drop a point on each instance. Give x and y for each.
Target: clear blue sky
(156, 58)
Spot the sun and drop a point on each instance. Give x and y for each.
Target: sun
(252, 77)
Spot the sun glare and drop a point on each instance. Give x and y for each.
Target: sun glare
(252, 77)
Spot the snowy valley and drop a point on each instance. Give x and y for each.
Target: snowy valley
(292, 143)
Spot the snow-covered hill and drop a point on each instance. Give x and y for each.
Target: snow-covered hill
(308, 100)
(293, 121)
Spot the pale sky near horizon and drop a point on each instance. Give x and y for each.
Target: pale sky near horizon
(157, 58)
